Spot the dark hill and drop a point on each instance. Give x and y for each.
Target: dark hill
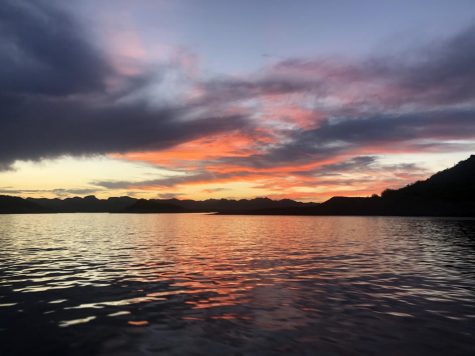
(231, 205)
(91, 204)
(456, 184)
(450, 192)
(16, 205)
(150, 206)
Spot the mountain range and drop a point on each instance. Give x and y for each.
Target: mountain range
(450, 192)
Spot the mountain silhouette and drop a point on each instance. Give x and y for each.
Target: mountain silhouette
(453, 184)
(16, 205)
(450, 192)
(91, 204)
(151, 206)
(88, 204)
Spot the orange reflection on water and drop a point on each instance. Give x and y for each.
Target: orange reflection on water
(138, 322)
(277, 272)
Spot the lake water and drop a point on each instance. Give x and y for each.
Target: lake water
(105, 284)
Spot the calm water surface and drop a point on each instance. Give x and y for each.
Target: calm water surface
(104, 284)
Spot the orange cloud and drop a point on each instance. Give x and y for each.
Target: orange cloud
(234, 144)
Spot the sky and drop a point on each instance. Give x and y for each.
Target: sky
(207, 99)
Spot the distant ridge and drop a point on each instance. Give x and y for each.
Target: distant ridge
(150, 206)
(16, 205)
(91, 204)
(450, 192)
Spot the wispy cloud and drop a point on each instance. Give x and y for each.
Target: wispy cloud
(58, 191)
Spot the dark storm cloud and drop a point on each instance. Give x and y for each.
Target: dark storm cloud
(44, 59)
(33, 128)
(43, 51)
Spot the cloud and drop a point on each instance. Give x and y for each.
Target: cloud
(54, 99)
(360, 175)
(34, 129)
(43, 51)
(440, 73)
(366, 165)
(58, 192)
(413, 132)
(199, 177)
(294, 124)
(168, 196)
(436, 74)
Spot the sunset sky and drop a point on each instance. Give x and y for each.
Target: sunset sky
(233, 99)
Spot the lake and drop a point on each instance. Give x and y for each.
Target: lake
(125, 284)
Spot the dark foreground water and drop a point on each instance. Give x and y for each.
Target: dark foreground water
(102, 284)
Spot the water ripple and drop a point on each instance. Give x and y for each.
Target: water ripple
(101, 284)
